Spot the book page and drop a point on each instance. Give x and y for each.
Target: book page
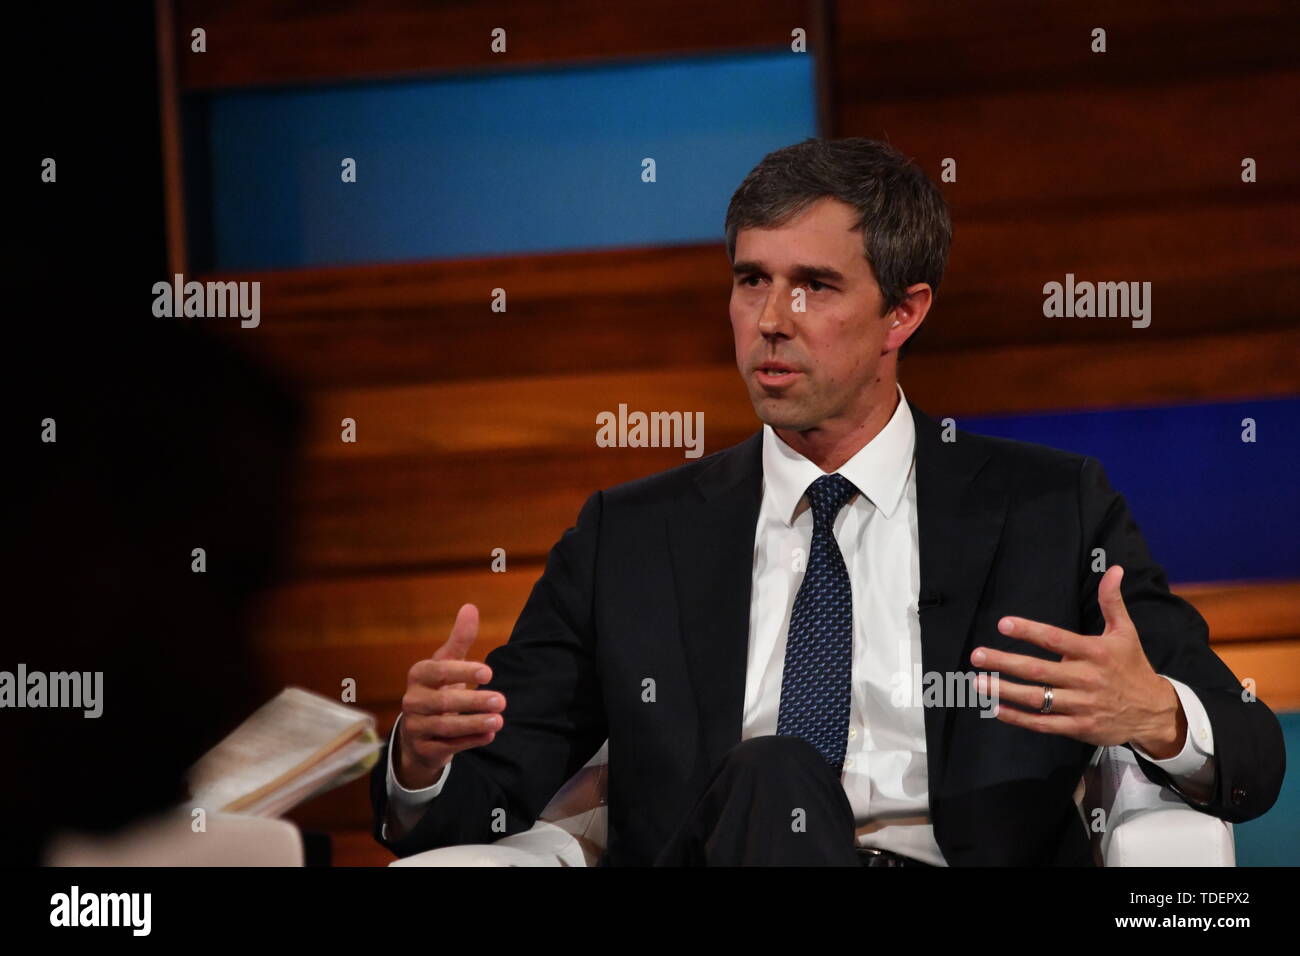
(343, 766)
(281, 740)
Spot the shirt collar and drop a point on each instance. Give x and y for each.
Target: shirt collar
(879, 469)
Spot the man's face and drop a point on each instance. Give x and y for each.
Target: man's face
(833, 348)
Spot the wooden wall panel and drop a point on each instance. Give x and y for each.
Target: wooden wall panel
(357, 611)
(1274, 666)
(1212, 268)
(1263, 611)
(442, 474)
(896, 49)
(1221, 367)
(540, 411)
(566, 312)
(421, 512)
(1119, 166)
(262, 42)
(1069, 150)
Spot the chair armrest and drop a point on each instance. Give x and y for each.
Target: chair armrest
(545, 844)
(1146, 824)
(570, 832)
(1172, 837)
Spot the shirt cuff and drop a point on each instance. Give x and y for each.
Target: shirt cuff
(1193, 766)
(405, 807)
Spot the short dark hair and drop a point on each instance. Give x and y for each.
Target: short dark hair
(906, 229)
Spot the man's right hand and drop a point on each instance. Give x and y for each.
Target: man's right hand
(439, 715)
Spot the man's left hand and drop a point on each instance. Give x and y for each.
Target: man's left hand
(1104, 690)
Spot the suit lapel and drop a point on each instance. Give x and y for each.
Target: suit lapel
(712, 546)
(959, 521)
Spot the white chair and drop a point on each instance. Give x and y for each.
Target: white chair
(1147, 824)
(1144, 824)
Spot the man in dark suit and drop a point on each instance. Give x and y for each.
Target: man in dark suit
(749, 631)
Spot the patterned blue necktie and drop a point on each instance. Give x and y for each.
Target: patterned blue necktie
(816, 684)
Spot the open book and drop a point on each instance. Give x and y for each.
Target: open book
(295, 746)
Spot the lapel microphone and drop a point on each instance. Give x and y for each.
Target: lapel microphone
(928, 600)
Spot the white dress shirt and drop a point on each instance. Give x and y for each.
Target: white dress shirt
(885, 773)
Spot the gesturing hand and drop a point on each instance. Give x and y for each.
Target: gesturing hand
(439, 715)
(1104, 690)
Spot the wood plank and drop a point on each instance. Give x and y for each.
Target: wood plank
(535, 280)
(1252, 611)
(466, 342)
(356, 847)
(1274, 666)
(561, 411)
(268, 42)
(454, 509)
(170, 130)
(379, 670)
(1074, 376)
(1208, 265)
(407, 323)
(929, 48)
(1129, 148)
(417, 609)
(535, 412)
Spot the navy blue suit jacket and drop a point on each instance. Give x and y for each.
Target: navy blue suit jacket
(654, 582)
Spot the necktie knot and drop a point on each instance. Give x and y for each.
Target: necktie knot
(827, 496)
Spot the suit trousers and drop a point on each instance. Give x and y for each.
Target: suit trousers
(771, 801)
